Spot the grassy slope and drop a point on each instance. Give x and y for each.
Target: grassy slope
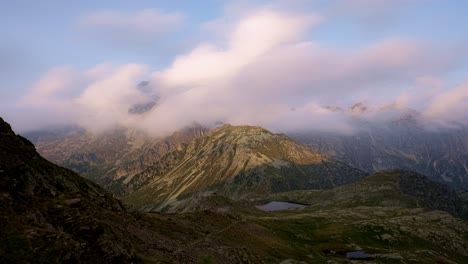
(232, 232)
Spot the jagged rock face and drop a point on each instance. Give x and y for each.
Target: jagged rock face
(113, 158)
(442, 155)
(41, 202)
(239, 162)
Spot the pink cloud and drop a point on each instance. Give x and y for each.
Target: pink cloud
(449, 106)
(55, 85)
(267, 73)
(251, 37)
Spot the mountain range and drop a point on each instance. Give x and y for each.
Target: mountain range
(441, 154)
(125, 160)
(51, 214)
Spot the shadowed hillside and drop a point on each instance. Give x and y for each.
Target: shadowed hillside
(50, 214)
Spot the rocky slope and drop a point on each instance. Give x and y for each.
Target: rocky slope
(50, 214)
(114, 157)
(441, 154)
(240, 162)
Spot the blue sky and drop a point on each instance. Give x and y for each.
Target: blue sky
(40, 36)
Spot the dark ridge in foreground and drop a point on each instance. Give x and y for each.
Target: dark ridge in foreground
(51, 214)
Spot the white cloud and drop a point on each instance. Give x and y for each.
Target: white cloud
(251, 38)
(449, 105)
(98, 98)
(106, 100)
(267, 73)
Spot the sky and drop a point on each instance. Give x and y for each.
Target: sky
(278, 64)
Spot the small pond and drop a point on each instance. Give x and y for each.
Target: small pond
(277, 206)
(358, 254)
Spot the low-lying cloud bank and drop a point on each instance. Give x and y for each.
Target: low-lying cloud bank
(267, 72)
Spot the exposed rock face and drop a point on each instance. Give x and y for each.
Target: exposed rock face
(113, 158)
(440, 154)
(51, 214)
(240, 162)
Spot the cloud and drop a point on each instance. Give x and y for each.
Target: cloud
(251, 38)
(449, 106)
(139, 28)
(106, 101)
(98, 98)
(52, 86)
(306, 64)
(267, 72)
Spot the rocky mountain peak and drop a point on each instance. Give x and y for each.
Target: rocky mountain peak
(359, 107)
(238, 161)
(242, 135)
(252, 146)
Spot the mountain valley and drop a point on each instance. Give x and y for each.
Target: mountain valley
(52, 214)
(115, 159)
